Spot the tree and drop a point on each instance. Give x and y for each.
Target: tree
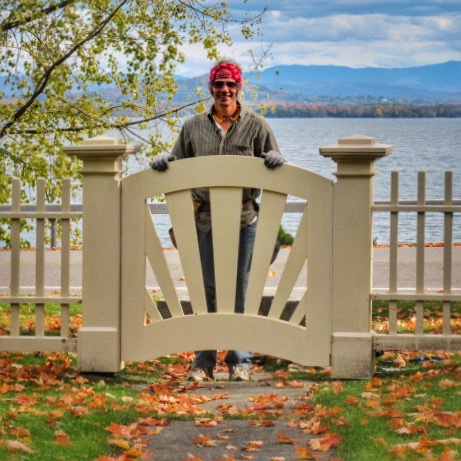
(75, 69)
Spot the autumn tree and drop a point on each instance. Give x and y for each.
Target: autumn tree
(76, 69)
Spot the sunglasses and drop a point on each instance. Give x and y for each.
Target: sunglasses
(218, 84)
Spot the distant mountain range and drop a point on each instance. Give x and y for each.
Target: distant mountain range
(437, 83)
(298, 84)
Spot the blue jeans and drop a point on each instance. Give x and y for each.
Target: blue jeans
(207, 359)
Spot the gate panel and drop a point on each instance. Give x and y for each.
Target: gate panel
(153, 326)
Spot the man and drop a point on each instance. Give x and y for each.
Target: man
(226, 129)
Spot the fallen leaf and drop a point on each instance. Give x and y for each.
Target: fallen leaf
(380, 441)
(338, 387)
(284, 438)
(400, 362)
(191, 457)
(253, 446)
(204, 441)
(352, 400)
(208, 422)
(61, 438)
(369, 395)
(120, 443)
(16, 445)
(325, 443)
(115, 429)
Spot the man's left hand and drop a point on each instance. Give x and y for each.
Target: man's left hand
(273, 159)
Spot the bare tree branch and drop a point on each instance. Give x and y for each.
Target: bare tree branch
(77, 129)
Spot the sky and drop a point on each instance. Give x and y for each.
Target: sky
(352, 33)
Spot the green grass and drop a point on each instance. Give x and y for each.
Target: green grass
(401, 400)
(51, 397)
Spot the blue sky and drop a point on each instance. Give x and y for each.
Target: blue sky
(353, 33)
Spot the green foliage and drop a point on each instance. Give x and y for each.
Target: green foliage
(354, 109)
(284, 238)
(59, 57)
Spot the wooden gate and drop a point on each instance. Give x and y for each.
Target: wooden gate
(302, 334)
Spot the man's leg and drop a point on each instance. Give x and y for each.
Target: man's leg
(239, 362)
(205, 361)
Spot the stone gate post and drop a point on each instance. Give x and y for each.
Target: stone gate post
(99, 337)
(352, 348)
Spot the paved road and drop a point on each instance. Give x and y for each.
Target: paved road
(406, 270)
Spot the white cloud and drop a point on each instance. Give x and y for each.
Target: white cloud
(355, 33)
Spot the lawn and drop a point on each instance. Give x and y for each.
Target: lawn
(410, 409)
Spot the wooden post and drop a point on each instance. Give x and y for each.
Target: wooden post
(352, 351)
(99, 337)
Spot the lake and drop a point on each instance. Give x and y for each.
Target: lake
(431, 145)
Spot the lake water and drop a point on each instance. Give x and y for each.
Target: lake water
(430, 145)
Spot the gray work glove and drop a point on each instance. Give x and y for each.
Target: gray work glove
(161, 162)
(273, 159)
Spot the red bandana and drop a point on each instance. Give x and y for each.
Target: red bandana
(226, 70)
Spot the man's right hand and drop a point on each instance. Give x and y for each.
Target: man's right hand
(160, 163)
(273, 159)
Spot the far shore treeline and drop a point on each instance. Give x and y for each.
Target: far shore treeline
(365, 110)
(377, 110)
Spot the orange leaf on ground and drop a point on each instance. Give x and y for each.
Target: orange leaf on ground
(400, 362)
(134, 453)
(304, 453)
(253, 446)
(204, 441)
(16, 445)
(120, 443)
(79, 411)
(156, 431)
(208, 422)
(338, 387)
(325, 443)
(61, 438)
(115, 429)
(380, 441)
(263, 423)
(191, 457)
(284, 438)
(153, 422)
(352, 400)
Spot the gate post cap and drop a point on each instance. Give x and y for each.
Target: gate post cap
(356, 147)
(101, 147)
(100, 140)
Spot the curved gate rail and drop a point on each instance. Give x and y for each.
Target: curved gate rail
(303, 335)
